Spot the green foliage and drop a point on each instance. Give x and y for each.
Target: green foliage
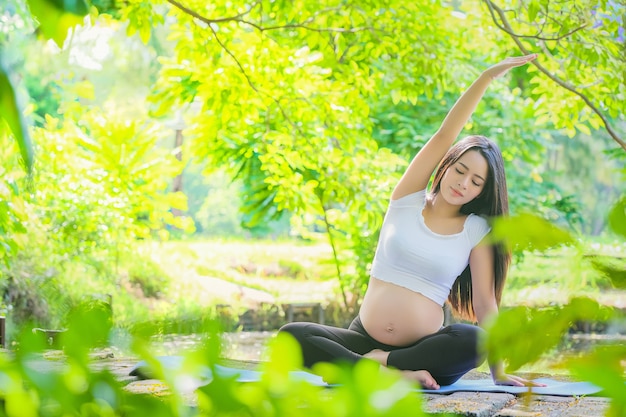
(537, 331)
(72, 389)
(11, 115)
(13, 213)
(185, 320)
(213, 203)
(89, 324)
(102, 183)
(362, 390)
(114, 189)
(294, 124)
(581, 48)
(76, 389)
(56, 18)
(30, 295)
(141, 18)
(300, 143)
(521, 335)
(110, 7)
(149, 277)
(587, 174)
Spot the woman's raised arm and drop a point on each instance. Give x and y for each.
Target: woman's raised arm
(424, 163)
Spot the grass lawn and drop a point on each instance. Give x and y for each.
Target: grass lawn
(300, 271)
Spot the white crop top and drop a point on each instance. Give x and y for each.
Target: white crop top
(411, 255)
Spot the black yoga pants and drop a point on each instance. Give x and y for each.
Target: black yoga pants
(447, 354)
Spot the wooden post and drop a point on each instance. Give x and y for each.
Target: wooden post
(311, 307)
(3, 332)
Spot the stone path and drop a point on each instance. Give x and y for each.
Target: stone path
(501, 405)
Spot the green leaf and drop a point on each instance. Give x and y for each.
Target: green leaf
(284, 354)
(396, 96)
(612, 268)
(585, 309)
(11, 113)
(89, 324)
(542, 330)
(533, 10)
(529, 232)
(20, 404)
(617, 217)
(584, 129)
(57, 18)
(77, 7)
(145, 33)
(222, 392)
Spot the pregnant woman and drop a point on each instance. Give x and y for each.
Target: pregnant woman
(431, 249)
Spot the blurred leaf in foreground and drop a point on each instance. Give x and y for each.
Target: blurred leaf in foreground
(617, 217)
(605, 367)
(10, 112)
(611, 267)
(541, 329)
(56, 18)
(529, 232)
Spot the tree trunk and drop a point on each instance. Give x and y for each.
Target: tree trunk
(177, 185)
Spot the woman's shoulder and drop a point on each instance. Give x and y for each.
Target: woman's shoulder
(476, 227)
(477, 219)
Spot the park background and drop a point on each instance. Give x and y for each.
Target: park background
(160, 151)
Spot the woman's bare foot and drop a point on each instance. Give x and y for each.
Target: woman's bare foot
(424, 378)
(378, 355)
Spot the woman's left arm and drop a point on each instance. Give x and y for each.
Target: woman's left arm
(486, 307)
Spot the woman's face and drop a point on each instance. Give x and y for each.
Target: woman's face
(465, 179)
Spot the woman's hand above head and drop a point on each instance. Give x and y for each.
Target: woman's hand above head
(420, 169)
(504, 66)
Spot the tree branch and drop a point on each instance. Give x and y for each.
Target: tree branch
(331, 239)
(505, 26)
(232, 55)
(304, 26)
(510, 31)
(240, 18)
(208, 21)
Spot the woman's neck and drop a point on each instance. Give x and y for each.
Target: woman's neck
(444, 209)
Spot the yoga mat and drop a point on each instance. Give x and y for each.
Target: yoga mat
(554, 387)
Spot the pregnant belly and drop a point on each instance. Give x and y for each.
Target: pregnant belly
(397, 316)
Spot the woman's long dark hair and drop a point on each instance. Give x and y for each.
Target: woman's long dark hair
(492, 202)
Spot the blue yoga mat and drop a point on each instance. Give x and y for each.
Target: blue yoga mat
(553, 387)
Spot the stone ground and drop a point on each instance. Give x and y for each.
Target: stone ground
(246, 347)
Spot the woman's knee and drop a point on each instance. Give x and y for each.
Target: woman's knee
(295, 329)
(469, 332)
(471, 338)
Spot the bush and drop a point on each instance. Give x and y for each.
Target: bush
(148, 276)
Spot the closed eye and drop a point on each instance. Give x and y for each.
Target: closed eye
(458, 171)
